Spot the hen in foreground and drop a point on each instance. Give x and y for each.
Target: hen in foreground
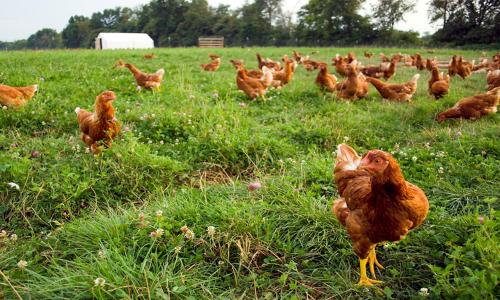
(16, 96)
(376, 204)
(100, 125)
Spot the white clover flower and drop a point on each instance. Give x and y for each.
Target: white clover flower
(4, 107)
(211, 231)
(22, 264)
(99, 281)
(138, 88)
(243, 104)
(192, 97)
(424, 292)
(414, 158)
(177, 249)
(153, 115)
(3, 234)
(150, 141)
(13, 185)
(441, 170)
(157, 233)
(43, 123)
(13, 237)
(162, 142)
(101, 254)
(346, 138)
(159, 213)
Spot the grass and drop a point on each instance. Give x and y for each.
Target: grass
(191, 151)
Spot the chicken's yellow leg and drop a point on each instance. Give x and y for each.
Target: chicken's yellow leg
(372, 260)
(364, 280)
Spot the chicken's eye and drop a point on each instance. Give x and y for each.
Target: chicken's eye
(378, 160)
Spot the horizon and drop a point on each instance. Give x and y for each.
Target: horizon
(19, 20)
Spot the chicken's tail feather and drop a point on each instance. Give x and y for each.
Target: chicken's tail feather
(160, 72)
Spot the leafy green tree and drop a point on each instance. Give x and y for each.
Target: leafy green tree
(45, 39)
(77, 33)
(197, 22)
(389, 12)
(328, 21)
(467, 21)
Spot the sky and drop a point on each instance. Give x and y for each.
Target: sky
(21, 18)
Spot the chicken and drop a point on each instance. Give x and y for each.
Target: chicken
(386, 71)
(452, 67)
(254, 87)
(409, 60)
(236, 63)
(464, 69)
(285, 75)
(396, 92)
(351, 57)
(144, 80)
(325, 80)
(438, 85)
(384, 58)
(250, 73)
(16, 96)
(377, 204)
(310, 65)
(297, 56)
(429, 64)
(419, 62)
(340, 65)
(473, 107)
(354, 87)
(493, 79)
(149, 56)
(213, 65)
(268, 63)
(101, 125)
(368, 55)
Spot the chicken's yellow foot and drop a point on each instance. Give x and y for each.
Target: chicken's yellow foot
(364, 280)
(372, 260)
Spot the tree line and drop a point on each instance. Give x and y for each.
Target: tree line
(173, 23)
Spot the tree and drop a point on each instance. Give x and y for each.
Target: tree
(328, 21)
(466, 21)
(77, 33)
(45, 39)
(389, 12)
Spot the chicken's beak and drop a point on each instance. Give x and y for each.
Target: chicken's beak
(364, 162)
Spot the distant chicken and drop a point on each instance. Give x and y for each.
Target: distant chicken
(354, 87)
(149, 56)
(419, 62)
(351, 57)
(297, 56)
(101, 125)
(285, 75)
(268, 63)
(368, 54)
(452, 67)
(213, 65)
(464, 69)
(310, 65)
(16, 96)
(254, 87)
(250, 73)
(384, 58)
(340, 65)
(429, 64)
(493, 79)
(144, 80)
(325, 80)
(396, 92)
(473, 107)
(438, 85)
(384, 70)
(376, 204)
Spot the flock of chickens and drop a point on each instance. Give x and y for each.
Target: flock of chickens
(377, 204)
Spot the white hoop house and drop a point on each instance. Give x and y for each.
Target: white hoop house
(115, 40)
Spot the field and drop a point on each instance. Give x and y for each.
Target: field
(190, 151)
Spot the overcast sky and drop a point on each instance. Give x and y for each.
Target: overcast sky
(21, 18)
